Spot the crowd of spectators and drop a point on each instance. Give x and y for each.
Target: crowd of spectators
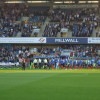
(82, 22)
(11, 22)
(13, 53)
(51, 30)
(9, 15)
(63, 15)
(83, 50)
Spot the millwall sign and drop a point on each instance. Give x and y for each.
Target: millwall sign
(67, 40)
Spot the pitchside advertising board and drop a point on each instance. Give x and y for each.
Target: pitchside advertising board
(44, 40)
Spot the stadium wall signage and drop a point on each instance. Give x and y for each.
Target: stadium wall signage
(52, 40)
(67, 40)
(76, 6)
(94, 40)
(23, 40)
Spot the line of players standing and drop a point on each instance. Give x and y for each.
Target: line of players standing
(64, 63)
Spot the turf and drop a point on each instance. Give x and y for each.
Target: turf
(50, 85)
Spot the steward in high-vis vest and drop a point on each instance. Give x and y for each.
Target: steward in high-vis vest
(94, 65)
(32, 65)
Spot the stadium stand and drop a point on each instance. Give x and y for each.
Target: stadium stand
(81, 22)
(13, 54)
(12, 20)
(50, 20)
(23, 20)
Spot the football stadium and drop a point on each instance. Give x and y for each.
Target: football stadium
(49, 49)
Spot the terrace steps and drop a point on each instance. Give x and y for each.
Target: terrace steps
(43, 26)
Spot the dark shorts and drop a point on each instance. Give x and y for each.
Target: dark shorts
(45, 63)
(40, 64)
(35, 64)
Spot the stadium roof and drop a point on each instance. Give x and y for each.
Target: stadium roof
(45, 1)
(49, 0)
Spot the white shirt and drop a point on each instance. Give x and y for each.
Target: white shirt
(39, 60)
(45, 60)
(35, 60)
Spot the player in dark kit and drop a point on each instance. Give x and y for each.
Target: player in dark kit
(23, 64)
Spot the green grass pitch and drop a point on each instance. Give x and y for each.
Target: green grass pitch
(50, 85)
